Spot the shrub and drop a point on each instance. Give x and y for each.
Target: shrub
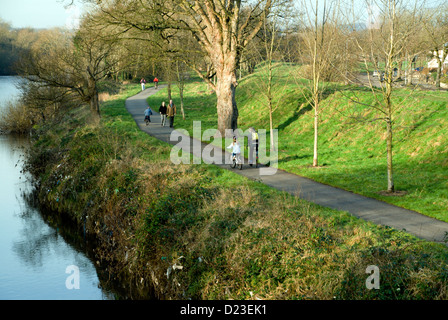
(16, 118)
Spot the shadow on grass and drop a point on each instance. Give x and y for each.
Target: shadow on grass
(297, 113)
(295, 157)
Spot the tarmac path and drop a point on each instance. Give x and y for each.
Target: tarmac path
(369, 209)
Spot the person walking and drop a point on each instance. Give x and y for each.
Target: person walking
(148, 113)
(162, 111)
(171, 112)
(253, 146)
(143, 82)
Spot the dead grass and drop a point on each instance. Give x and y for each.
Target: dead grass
(104, 96)
(15, 117)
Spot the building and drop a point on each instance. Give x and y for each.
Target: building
(434, 63)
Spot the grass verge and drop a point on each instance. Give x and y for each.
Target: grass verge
(200, 232)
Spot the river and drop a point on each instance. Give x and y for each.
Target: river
(39, 261)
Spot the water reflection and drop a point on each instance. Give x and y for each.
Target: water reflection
(34, 254)
(35, 247)
(36, 241)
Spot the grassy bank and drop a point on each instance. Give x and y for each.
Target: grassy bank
(352, 146)
(197, 231)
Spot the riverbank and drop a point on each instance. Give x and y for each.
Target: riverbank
(200, 232)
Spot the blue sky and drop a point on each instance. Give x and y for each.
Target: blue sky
(38, 13)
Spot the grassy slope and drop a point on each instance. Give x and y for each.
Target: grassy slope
(352, 154)
(235, 238)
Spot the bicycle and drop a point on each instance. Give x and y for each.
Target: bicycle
(236, 161)
(147, 120)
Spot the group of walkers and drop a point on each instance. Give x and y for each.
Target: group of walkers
(143, 83)
(165, 112)
(169, 111)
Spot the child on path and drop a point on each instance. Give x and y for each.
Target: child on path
(235, 146)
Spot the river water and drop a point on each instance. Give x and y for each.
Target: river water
(37, 262)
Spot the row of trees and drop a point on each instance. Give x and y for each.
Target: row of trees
(12, 44)
(336, 47)
(217, 38)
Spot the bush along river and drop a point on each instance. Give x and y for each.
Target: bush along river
(43, 257)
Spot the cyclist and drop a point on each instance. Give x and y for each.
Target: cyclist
(156, 82)
(236, 149)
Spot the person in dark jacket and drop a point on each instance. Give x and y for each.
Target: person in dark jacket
(162, 111)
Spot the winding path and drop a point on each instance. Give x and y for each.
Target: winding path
(369, 209)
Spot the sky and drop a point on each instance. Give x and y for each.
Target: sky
(40, 13)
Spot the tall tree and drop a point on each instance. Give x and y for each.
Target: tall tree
(319, 39)
(382, 46)
(270, 50)
(222, 28)
(73, 64)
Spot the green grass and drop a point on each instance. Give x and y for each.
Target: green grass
(351, 153)
(234, 238)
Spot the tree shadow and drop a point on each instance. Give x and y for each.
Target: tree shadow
(295, 157)
(302, 109)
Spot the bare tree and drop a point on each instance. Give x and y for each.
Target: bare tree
(72, 63)
(384, 43)
(221, 28)
(318, 38)
(270, 51)
(182, 75)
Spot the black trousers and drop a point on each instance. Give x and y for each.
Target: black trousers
(171, 121)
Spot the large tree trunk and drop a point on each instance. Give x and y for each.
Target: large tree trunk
(169, 90)
(93, 96)
(226, 103)
(94, 104)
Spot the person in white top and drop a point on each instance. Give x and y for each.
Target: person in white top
(235, 146)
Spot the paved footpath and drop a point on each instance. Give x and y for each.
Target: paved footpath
(362, 207)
